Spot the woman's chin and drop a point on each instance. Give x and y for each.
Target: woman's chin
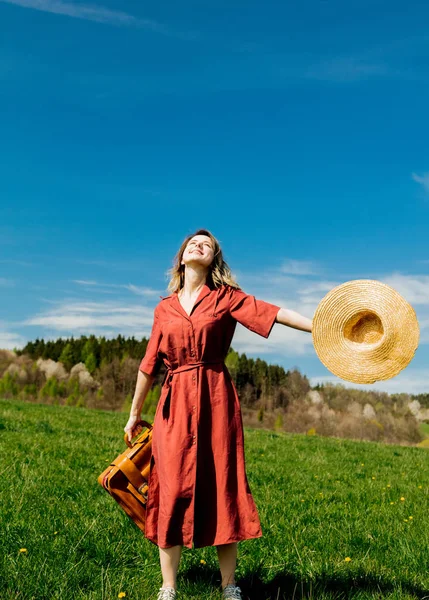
(197, 259)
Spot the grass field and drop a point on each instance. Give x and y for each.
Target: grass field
(425, 429)
(341, 519)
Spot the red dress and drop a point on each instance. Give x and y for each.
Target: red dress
(198, 488)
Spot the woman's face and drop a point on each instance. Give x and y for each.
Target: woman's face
(198, 250)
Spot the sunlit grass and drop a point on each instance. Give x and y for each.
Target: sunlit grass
(341, 519)
(425, 429)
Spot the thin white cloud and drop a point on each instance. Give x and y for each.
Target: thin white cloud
(95, 317)
(20, 263)
(299, 267)
(346, 69)
(74, 294)
(410, 380)
(99, 14)
(126, 265)
(414, 288)
(309, 296)
(423, 180)
(285, 291)
(135, 289)
(84, 282)
(282, 341)
(142, 291)
(10, 340)
(288, 291)
(318, 287)
(6, 282)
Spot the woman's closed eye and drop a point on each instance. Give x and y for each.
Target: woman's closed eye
(198, 243)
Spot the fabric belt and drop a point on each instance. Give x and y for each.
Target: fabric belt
(195, 365)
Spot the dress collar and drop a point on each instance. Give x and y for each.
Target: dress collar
(205, 291)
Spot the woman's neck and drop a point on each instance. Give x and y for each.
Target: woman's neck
(194, 281)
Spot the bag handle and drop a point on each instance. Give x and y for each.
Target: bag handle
(140, 424)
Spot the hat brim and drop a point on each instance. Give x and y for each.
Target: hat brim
(365, 331)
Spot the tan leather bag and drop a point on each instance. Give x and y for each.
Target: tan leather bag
(126, 479)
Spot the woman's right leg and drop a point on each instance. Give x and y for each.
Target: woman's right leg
(169, 559)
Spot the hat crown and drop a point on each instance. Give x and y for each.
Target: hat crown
(364, 327)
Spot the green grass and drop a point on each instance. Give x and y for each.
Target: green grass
(320, 500)
(425, 429)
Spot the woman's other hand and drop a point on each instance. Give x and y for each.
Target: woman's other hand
(131, 428)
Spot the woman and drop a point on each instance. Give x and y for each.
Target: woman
(198, 488)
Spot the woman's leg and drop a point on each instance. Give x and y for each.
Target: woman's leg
(169, 559)
(227, 555)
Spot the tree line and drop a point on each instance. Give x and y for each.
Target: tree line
(93, 351)
(255, 379)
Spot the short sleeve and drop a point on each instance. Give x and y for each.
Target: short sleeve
(151, 362)
(257, 315)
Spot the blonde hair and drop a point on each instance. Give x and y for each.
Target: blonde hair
(219, 272)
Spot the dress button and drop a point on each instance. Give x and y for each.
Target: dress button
(194, 436)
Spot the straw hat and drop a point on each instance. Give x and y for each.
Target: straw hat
(364, 331)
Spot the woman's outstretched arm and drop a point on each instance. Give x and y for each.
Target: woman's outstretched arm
(289, 317)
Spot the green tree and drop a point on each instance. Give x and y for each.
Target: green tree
(90, 353)
(67, 356)
(9, 386)
(52, 389)
(91, 363)
(231, 362)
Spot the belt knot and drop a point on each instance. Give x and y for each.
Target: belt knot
(187, 367)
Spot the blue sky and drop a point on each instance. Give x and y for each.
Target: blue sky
(296, 132)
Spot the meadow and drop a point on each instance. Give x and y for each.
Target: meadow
(341, 519)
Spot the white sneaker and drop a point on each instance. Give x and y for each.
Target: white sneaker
(166, 593)
(231, 592)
